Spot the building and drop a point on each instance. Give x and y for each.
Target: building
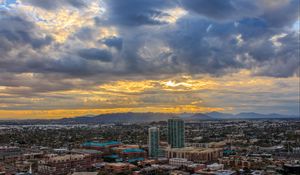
(95, 155)
(176, 133)
(61, 165)
(195, 167)
(133, 155)
(215, 167)
(102, 146)
(114, 168)
(218, 172)
(177, 172)
(179, 162)
(153, 142)
(10, 153)
(238, 162)
(129, 153)
(198, 155)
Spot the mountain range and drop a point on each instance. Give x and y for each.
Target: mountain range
(131, 117)
(155, 117)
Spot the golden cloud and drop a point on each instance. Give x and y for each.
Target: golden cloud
(63, 22)
(181, 93)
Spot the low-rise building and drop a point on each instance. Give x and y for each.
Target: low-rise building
(179, 162)
(102, 146)
(95, 155)
(113, 168)
(197, 155)
(176, 172)
(10, 153)
(215, 166)
(61, 165)
(239, 162)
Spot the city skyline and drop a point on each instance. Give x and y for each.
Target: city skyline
(62, 59)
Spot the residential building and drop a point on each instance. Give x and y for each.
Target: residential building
(198, 155)
(153, 142)
(176, 133)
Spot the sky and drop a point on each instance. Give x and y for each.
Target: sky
(78, 57)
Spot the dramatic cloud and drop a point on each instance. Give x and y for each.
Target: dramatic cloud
(149, 55)
(16, 30)
(114, 42)
(95, 54)
(54, 4)
(138, 12)
(221, 10)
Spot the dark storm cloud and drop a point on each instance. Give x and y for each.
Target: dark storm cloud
(137, 12)
(201, 52)
(15, 31)
(138, 40)
(85, 33)
(191, 45)
(220, 9)
(274, 13)
(218, 50)
(284, 15)
(281, 61)
(113, 42)
(54, 4)
(95, 54)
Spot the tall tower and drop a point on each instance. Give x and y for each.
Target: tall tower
(176, 133)
(153, 141)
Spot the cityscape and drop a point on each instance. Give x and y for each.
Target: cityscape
(175, 146)
(149, 87)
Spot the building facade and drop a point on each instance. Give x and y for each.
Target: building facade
(153, 142)
(197, 155)
(176, 133)
(61, 165)
(179, 162)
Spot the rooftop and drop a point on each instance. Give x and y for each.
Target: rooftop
(193, 149)
(133, 150)
(101, 144)
(135, 159)
(67, 157)
(86, 151)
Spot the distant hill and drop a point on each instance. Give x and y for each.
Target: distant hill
(121, 118)
(219, 115)
(198, 116)
(155, 117)
(131, 117)
(248, 115)
(135, 118)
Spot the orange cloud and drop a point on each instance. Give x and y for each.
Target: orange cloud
(66, 113)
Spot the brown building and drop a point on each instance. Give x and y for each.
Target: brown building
(235, 162)
(114, 168)
(10, 154)
(62, 165)
(198, 155)
(96, 156)
(130, 153)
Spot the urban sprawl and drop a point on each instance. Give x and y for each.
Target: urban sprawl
(175, 147)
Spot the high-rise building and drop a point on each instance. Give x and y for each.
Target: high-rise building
(176, 133)
(153, 141)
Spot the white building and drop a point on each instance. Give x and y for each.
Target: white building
(215, 166)
(179, 162)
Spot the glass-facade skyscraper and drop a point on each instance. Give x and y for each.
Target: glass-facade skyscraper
(153, 141)
(176, 133)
